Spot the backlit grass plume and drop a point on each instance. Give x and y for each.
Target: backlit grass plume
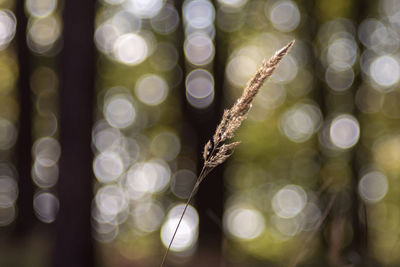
(218, 148)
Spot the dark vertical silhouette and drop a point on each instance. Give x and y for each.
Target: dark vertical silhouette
(209, 198)
(320, 94)
(356, 252)
(25, 217)
(211, 193)
(358, 209)
(74, 246)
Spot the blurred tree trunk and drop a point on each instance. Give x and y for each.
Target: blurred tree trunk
(25, 215)
(358, 210)
(356, 252)
(74, 245)
(310, 34)
(210, 195)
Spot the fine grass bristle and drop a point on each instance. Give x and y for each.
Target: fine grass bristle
(216, 150)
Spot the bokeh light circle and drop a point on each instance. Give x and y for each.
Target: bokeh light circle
(119, 111)
(284, 15)
(108, 166)
(244, 223)
(166, 21)
(373, 186)
(187, 233)
(147, 178)
(339, 76)
(289, 201)
(8, 24)
(40, 8)
(46, 206)
(105, 36)
(342, 50)
(199, 49)
(151, 89)
(198, 14)
(144, 8)
(344, 131)
(239, 69)
(47, 151)
(301, 122)
(385, 71)
(43, 33)
(166, 145)
(130, 49)
(200, 88)
(110, 201)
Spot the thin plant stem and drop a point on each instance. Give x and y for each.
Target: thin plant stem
(202, 174)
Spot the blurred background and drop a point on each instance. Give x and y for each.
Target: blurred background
(105, 107)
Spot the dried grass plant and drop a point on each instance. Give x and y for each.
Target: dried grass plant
(218, 149)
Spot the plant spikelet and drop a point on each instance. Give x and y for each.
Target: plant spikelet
(215, 150)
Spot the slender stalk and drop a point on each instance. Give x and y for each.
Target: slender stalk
(202, 174)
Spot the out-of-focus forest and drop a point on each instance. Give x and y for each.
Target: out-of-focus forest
(105, 107)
